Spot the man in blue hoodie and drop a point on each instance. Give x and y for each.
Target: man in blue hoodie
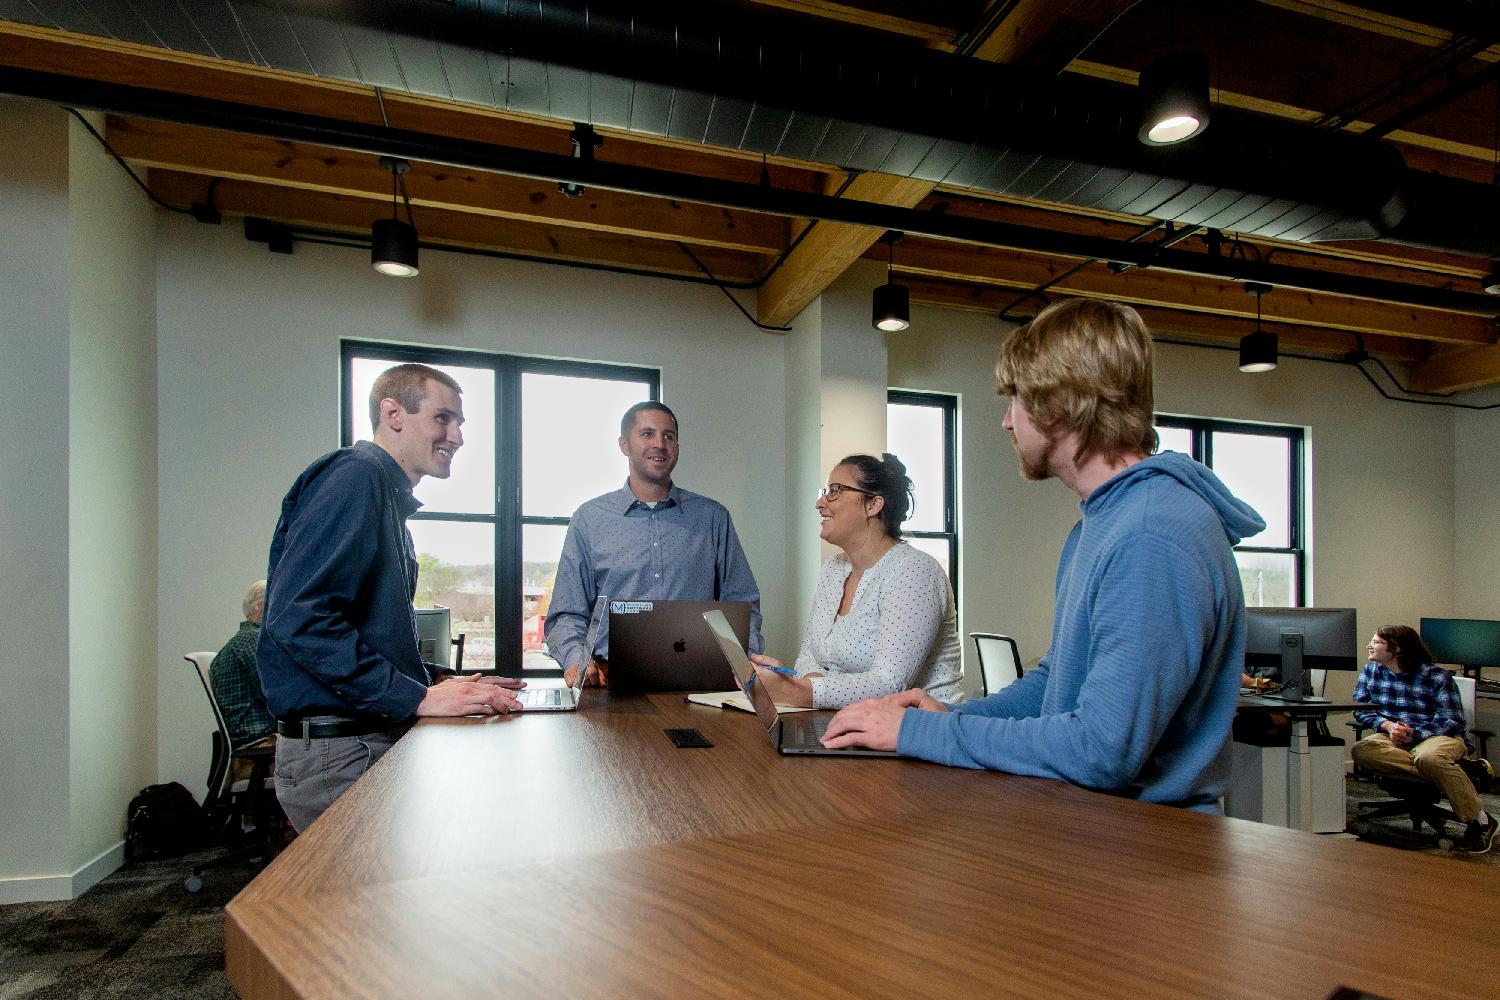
(1136, 694)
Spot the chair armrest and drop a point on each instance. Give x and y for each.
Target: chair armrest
(1482, 737)
(1359, 729)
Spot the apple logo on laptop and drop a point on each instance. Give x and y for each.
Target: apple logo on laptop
(680, 646)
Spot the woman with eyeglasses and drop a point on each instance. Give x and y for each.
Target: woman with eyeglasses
(882, 617)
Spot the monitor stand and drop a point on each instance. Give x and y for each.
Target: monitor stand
(1296, 683)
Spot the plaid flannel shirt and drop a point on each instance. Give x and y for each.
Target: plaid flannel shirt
(236, 687)
(1426, 699)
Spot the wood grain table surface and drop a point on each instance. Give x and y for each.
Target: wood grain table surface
(582, 855)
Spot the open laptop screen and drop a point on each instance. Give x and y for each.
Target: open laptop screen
(739, 662)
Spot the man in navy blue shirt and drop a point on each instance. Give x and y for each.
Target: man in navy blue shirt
(648, 540)
(338, 654)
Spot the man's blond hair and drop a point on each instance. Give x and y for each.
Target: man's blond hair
(1084, 365)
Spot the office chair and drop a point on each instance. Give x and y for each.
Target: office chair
(231, 804)
(999, 660)
(1417, 798)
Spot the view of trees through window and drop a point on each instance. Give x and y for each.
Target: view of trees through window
(488, 538)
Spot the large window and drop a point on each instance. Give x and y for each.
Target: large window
(921, 430)
(1262, 465)
(539, 439)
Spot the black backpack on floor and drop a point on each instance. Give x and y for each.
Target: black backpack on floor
(164, 821)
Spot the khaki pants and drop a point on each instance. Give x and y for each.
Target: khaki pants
(1435, 759)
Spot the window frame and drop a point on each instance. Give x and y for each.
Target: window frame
(1202, 430)
(948, 404)
(508, 518)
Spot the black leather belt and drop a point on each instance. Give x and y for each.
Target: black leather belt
(330, 730)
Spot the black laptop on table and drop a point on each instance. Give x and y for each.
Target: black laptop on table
(790, 734)
(666, 646)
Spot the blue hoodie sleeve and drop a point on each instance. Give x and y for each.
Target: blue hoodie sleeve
(1152, 617)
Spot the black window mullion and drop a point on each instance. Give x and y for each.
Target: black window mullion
(508, 591)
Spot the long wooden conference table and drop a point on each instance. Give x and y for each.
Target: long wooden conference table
(583, 855)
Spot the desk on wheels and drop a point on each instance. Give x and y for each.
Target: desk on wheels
(582, 855)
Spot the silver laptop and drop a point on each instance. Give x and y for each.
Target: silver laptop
(790, 734)
(567, 699)
(664, 645)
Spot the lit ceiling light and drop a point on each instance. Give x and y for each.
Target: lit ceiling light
(1491, 282)
(891, 303)
(393, 243)
(1174, 98)
(1258, 349)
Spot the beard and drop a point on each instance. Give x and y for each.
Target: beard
(1035, 468)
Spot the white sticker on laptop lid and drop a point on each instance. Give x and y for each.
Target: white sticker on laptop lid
(629, 607)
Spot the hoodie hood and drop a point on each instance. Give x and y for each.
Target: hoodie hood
(1239, 519)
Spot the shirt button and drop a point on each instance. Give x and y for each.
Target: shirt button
(657, 575)
(654, 544)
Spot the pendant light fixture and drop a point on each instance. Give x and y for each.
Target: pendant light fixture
(891, 304)
(1257, 348)
(393, 243)
(1174, 98)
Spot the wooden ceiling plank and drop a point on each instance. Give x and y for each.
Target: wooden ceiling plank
(827, 250)
(864, 16)
(1373, 21)
(352, 214)
(1044, 35)
(315, 168)
(1019, 269)
(1218, 329)
(89, 57)
(1454, 369)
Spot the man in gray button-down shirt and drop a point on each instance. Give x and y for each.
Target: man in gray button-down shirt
(648, 540)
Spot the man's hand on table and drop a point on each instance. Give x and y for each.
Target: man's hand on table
(477, 694)
(876, 722)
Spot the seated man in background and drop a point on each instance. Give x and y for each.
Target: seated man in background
(1136, 693)
(1418, 725)
(236, 683)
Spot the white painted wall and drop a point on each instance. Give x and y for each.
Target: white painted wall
(111, 500)
(33, 494)
(248, 377)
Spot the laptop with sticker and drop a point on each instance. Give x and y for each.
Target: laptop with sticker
(666, 646)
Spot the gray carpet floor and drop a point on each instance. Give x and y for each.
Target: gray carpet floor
(138, 934)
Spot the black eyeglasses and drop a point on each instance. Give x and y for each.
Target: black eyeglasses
(832, 491)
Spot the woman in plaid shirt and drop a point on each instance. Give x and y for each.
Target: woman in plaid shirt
(1418, 726)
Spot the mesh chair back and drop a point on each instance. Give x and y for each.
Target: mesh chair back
(999, 660)
(219, 774)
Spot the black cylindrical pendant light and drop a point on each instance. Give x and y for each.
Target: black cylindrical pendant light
(1174, 98)
(890, 309)
(1258, 348)
(393, 243)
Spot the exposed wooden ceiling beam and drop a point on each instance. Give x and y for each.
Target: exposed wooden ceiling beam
(827, 250)
(1023, 270)
(1177, 323)
(1374, 21)
(1453, 369)
(1045, 35)
(316, 168)
(353, 215)
(906, 19)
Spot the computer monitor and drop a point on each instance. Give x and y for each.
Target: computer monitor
(435, 635)
(1465, 642)
(1288, 642)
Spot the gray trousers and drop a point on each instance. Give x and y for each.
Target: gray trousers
(310, 775)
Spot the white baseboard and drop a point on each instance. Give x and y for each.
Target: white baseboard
(46, 888)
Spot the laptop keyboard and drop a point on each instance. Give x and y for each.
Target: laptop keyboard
(540, 697)
(806, 733)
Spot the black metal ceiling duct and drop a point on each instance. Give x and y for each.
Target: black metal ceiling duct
(846, 97)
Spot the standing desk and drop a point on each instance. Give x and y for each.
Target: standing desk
(1299, 790)
(581, 855)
